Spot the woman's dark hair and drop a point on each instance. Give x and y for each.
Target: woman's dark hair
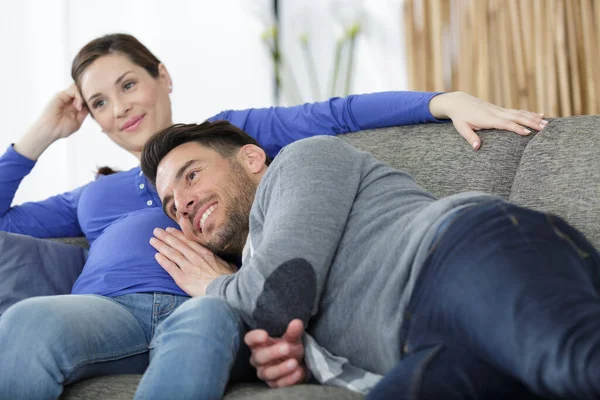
(220, 136)
(104, 171)
(111, 44)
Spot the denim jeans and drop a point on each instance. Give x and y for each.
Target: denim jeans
(185, 348)
(506, 306)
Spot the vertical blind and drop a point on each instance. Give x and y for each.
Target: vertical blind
(540, 55)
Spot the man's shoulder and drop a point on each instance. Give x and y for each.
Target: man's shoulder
(317, 147)
(322, 158)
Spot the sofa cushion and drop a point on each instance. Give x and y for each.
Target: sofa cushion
(442, 161)
(75, 241)
(298, 392)
(122, 387)
(560, 173)
(116, 387)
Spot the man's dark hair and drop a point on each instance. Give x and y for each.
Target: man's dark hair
(220, 136)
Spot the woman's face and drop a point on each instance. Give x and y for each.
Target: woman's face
(128, 103)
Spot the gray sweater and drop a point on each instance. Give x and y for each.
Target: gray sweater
(336, 239)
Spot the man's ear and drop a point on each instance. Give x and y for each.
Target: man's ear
(163, 74)
(253, 157)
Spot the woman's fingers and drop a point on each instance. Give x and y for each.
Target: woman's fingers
(527, 119)
(467, 132)
(511, 126)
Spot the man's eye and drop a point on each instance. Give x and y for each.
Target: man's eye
(174, 209)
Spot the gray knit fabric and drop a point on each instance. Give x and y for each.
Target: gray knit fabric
(312, 392)
(329, 225)
(560, 173)
(442, 161)
(118, 387)
(75, 241)
(122, 387)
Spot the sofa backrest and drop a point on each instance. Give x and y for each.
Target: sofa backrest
(442, 161)
(559, 173)
(557, 170)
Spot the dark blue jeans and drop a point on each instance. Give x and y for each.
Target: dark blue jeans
(506, 306)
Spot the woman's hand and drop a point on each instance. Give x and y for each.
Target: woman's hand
(469, 114)
(62, 116)
(65, 113)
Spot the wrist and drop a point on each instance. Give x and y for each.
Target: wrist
(440, 106)
(35, 141)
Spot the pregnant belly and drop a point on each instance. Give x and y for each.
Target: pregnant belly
(121, 260)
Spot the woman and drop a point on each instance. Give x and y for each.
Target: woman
(125, 309)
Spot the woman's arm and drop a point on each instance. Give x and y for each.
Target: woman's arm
(57, 215)
(277, 127)
(53, 217)
(62, 117)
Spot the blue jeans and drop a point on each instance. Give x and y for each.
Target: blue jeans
(185, 348)
(507, 306)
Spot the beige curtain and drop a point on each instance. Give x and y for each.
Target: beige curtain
(540, 55)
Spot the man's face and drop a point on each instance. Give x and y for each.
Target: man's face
(208, 195)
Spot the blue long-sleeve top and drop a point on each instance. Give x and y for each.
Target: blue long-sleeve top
(117, 213)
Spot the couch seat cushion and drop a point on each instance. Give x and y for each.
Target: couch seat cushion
(122, 387)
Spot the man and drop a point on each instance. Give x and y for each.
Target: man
(463, 297)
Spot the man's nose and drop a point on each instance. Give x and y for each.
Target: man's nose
(184, 205)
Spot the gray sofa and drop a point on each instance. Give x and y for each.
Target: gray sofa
(557, 171)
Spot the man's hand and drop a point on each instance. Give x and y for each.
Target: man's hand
(469, 114)
(192, 266)
(279, 361)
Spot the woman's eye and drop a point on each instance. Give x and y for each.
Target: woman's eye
(99, 103)
(174, 209)
(128, 85)
(192, 175)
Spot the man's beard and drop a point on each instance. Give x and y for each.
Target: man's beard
(228, 242)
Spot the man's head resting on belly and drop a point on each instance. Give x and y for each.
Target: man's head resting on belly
(206, 176)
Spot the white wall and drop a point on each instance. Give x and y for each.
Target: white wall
(380, 61)
(212, 49)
